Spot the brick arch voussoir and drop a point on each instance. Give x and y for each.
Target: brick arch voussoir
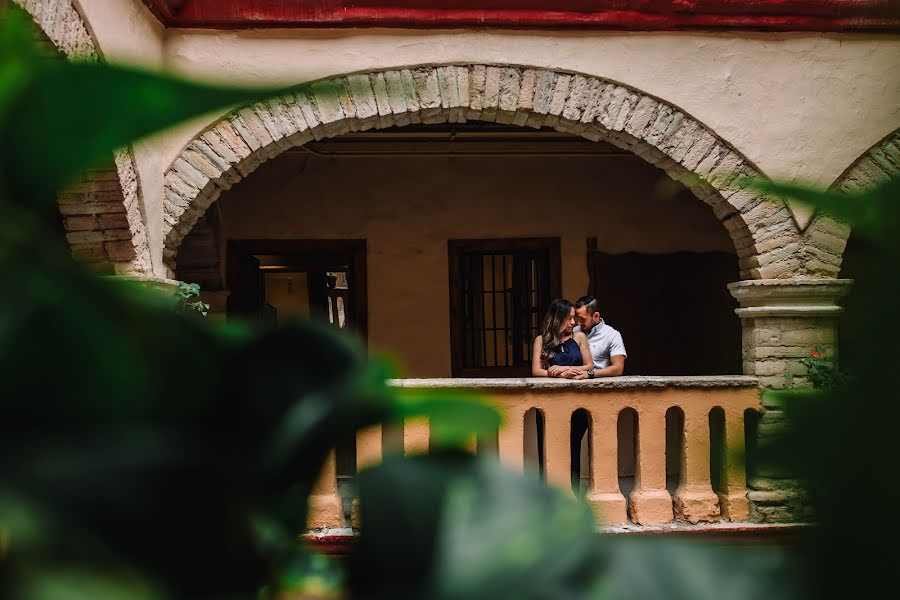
(591, 107)
(102, 215)
(825, 239)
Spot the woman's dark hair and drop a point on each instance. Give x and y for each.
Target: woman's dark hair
(551, 331)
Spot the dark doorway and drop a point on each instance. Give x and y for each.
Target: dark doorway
(318, 279)
(674, 311)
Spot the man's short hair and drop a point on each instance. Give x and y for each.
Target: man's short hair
(591, 303)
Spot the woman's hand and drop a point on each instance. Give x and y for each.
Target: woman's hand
(570, 373)
(557, 370)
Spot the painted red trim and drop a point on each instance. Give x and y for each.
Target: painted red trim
(773, 15)
(786, 534)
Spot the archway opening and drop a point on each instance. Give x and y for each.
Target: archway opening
(751, 445)
(674, 447)
(626, 458)
(718, 459)
(472, 228)
(580, 450)
(533, 442)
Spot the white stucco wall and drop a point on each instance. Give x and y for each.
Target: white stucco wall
(800, 106)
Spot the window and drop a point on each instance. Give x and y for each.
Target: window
(499, 290)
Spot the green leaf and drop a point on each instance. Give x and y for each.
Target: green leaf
(449, 525)
(453, 416)
(78, 113)
(82, 584)
(874, 211)
(641, 569)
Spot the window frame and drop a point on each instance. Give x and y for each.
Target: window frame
(458, 247)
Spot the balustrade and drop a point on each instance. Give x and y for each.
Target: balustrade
(650, 501)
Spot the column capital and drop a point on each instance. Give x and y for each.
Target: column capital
(789, 298)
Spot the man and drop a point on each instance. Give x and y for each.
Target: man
(609, 355)
(607, 348)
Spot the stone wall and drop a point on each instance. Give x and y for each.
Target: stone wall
(103, 214)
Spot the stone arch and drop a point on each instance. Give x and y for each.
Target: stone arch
(103, 214)
(764, 233)
(826, 238)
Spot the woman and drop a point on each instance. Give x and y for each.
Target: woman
(557, 351)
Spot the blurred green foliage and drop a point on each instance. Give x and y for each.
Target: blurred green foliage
(841, 440)
(145, 453)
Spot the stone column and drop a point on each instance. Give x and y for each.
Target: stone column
(605, 496)
(651, 503)
(695, 500)
(783, 321)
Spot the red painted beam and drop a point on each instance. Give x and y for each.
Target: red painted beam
(642, 15)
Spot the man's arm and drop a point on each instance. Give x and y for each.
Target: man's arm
(615, 369)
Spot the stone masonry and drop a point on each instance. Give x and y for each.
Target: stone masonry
(783, 321)
(768, 242)
(103, 214)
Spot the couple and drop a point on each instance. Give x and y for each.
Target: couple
(592, 349)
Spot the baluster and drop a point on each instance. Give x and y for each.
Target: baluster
(416, 434)
(733, 496)
(325, 508)
(368, 453)
(368, 447)
(695, 499)
(557, 452)
(605, 496)
(651, 503)
(511, 439)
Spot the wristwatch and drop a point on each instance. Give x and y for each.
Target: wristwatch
(590, 373)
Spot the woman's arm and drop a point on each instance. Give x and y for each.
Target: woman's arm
(587, 361)
(537, 367)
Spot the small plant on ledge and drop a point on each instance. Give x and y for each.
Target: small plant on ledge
(184, 294)
(822, 371)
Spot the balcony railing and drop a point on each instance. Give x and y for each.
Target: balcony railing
(657, 449)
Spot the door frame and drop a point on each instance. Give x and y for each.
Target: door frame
(329, 255)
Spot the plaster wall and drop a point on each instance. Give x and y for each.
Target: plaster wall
(800, 106)
(125, 30)
(407, 208)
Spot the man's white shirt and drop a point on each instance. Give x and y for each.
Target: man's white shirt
(604, 342)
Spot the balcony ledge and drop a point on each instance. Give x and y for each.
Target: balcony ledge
(605, 383)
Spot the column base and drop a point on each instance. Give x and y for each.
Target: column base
(651, 507)
(697, 505)
(735, 506)
(325, 511)
(610, 508)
